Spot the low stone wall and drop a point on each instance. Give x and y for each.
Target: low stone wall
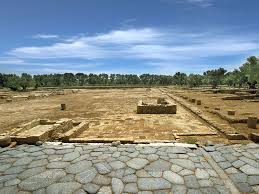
(143, 108)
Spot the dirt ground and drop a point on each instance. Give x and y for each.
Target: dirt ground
(111, 114)
(243, 108)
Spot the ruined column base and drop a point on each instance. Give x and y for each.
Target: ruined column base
(144, 108)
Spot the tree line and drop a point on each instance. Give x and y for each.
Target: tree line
(247, 72)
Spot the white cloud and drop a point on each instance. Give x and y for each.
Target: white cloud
(8, 61)
(144, 43)
(200, 3)
(45, 36)
(151, 46)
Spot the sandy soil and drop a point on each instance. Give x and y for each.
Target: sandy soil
(111, 113)
(243, 108)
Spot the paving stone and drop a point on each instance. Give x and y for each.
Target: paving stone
(63, 188)
(78, 167)
(124, 158)
(145, 192)
(80, 158)
(34, 149)
(210, 190)
(201, 174)
(41, 180)
(103, 168)
(55, 158)
(185, 172)
(67, 178)
(132, 178)
(23, 161)
(129, 171)
(184, 163)
(37, 163)
(131, 188)
(253, 180)
(137, 163)
(194, 191)
(71, 156)
(49, 151)
(231, 170)
(224, 165)
(230, 157)
(117, 164)
(217, 157)
(40, 191)
(155, 173)
(222, 189)
(205, 183)
(153, 184)
(4, 167)
(58, 164)
(142, 173)
(91, 188)
(117, 173)
(64, 151)
(256, 189)
(176, 168)
(101, 180)
(178, 189)
(238, 163)
(250, 161)
(212, 173)
(117, 186)
(37, 154)
(152, 157)
(209, 149)
(244, 187)
(148, 150)
(30, 172)
(86, 176)
(12, 182)
(176, 150)
(191, 182)
(105, 190)
(173, 177)
(80, 191)
(9, 190)
(158, 165)
(116, 154)
(15, 170)
(250, 170)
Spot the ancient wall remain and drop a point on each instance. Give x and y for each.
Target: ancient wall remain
(165, 108)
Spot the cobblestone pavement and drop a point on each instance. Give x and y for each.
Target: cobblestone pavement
(101, 168)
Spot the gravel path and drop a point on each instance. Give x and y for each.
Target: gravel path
(55, 168)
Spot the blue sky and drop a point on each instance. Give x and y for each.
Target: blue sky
(126, 36)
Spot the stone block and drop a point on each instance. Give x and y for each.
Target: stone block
(75, 131)
(5, 140)
(63, 106)
(231, 112)
(143, 108)
(235, 136)
(254, 137)
(251, 122)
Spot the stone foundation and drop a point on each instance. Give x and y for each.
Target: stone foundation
(164, 107)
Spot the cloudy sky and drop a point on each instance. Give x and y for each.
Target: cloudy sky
(126, 36)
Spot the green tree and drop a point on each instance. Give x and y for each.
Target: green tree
(26, 81)
(215, 76)
(13, 82)
(194, 80)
